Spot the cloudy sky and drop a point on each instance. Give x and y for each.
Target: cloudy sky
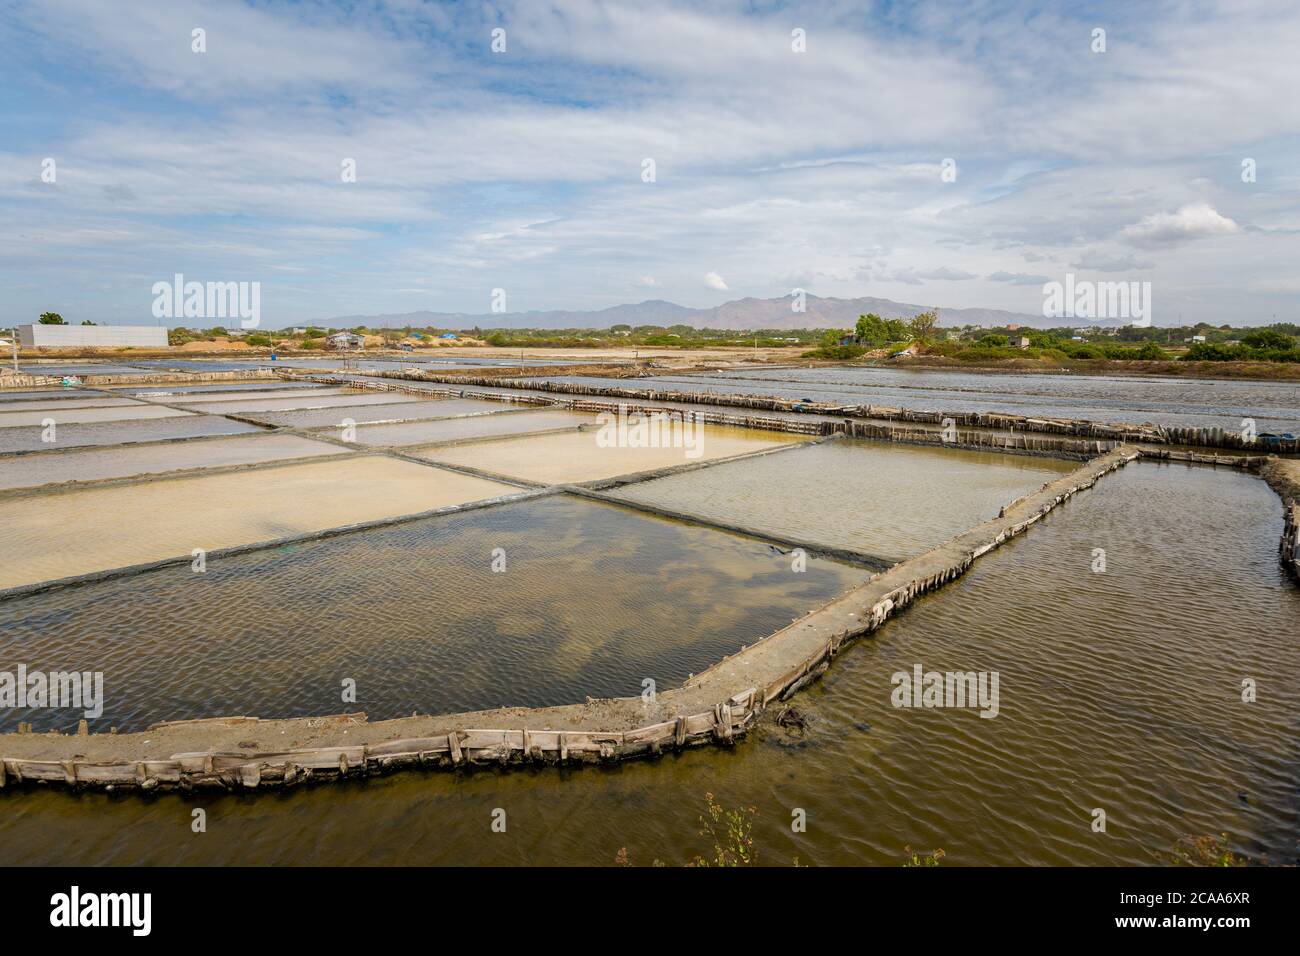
(525, 170)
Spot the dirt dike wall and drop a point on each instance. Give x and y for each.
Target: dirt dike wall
(714, 707)
(1283, 476)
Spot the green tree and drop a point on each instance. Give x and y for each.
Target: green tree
(52, 318)
(923, 327)
(1267, 339)
(87, 322)
(873, 330)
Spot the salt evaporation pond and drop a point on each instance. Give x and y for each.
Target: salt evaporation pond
(593, 600)
(408, 409)
(97, 464)
(1119, 690)
(580, 456)
(32, 438)
(517, 422)
(884, 500)
(70, 533)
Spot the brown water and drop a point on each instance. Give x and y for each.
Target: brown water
(886, 500)
(474, 426)
(58, 535)
(95, 464)
(1118, 690)
(556, 459)
(593, 599)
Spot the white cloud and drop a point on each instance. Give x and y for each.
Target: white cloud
(1017, 278)
(715, 281)
(1096, 261)
(1193, 221)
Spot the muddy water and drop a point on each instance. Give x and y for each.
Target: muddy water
(28, 471)
(408, 408)
(1118, 690)
(594, 598)
(84, 415)
(1275, 406)
(885, 500)
(94, 529)
(120, 433)
(553, 459)
(475, 426)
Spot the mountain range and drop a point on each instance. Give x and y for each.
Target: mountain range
(747, 313)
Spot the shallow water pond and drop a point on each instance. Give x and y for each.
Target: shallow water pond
(62, 534)
(592, 600)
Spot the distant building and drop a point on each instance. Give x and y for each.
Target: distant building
(1197, 338)
(448, 335)
(91, 336)
(345, 342)
(1020, 341)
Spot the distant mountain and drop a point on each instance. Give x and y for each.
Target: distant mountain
(739, 314)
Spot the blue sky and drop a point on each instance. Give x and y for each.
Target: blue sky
(522, 170)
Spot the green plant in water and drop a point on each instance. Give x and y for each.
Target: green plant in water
(732, 834)
(1205, 851)
(915, 859)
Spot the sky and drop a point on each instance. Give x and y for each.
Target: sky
(950, 154)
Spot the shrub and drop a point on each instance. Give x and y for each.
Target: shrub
(1268, 340)
(1150, 352)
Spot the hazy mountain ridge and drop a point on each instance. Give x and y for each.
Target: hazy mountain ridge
(747, 313)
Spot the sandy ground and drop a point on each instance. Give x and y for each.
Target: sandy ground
(222, 347)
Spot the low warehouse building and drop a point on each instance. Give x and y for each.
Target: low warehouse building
(91, 336)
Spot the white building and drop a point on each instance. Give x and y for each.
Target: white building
(346, 341)
(91, 336)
